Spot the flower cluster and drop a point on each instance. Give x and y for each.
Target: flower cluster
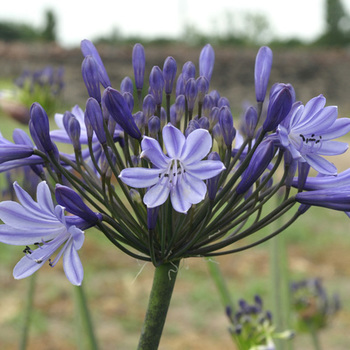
(252, 327)
(163, 170)
(312, 304)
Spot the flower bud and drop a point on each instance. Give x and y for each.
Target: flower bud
(180, 86)
(152, 215)
(215, 96)
(89, 70)
(169, 73)
(279, 106)
(192, 126)
(88, 48)
(206, 61)
(154, 126)
(204, 123)
(73, 203)
(207, 105)
(126, 85)
(72, 126)
(149, 106)
(180, 106)
(226, 124)
(191, 93)
(257, 165)
(93, 114)
(128, 97)
(188, 71)
(262, 71)
(120, 112)
(139, 64)
(202, 88)
(156, 84)
(40, 128)
(250, 121)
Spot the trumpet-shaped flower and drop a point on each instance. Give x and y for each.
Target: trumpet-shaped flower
(179, 174)
(42, 224)
(307, 132)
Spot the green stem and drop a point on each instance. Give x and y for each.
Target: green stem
(220, 283)
(315, 339)
(28, 312)
(85, 319)
(158, 304)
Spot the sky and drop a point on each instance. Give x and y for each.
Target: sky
(150, 18)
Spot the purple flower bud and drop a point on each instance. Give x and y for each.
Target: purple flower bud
(152, 215)
(128, 97)
(215, 96)
(214, 116)
(336, 199)
(163, 117)
(212, 184)
(139, 119)
(149, 106)
(154, 126)
(192, 126)
(191, 93)
(139, 64)
(303, 172)
(279, 106)
(223, 101)
(277, 87)
(188, 71)
(204, 123)
(206, 61)
(40, 128)
(169, 73)
(87, 49)
(180, 86)
(120, 112)
(126, 85)
(156, 84)
(202, 88)
(208, 104)
(68, 198)
(93, 114)
(257, 165)
(180, 106)
(72, 126)
(262, 71)
(250, 121)
(89, 70)
(217, 134)
(226, 124)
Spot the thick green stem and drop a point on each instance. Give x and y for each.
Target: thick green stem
(28, 312)
(85, 319)
(158, 304)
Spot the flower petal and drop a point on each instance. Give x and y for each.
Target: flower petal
(157, 194)
(197, 146)
(192, 189)
(339, 128)
(332, 148)
(174, 140)
(139, 177)
(152, 150)
(320, 164)
(72, 265)
(26, 267)
(178, 200)
(205, 169)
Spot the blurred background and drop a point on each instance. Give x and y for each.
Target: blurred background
(39, 41)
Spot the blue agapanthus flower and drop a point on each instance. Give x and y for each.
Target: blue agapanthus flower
(307, 132)
(180, 173)
(44, 225)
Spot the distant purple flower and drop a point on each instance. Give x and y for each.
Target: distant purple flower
(307, 132)
(180, 173)
(42, 224)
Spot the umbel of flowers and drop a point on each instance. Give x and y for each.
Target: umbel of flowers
(161, 168)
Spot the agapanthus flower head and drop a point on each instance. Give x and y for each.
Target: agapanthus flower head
(307, 132)
(179, 174)
(312, 304)
(44, 225)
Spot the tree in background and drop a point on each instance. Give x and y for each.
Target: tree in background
(49, 32)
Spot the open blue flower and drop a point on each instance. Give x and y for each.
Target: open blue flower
(180, 173)
(44, 225)
(307, 132)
